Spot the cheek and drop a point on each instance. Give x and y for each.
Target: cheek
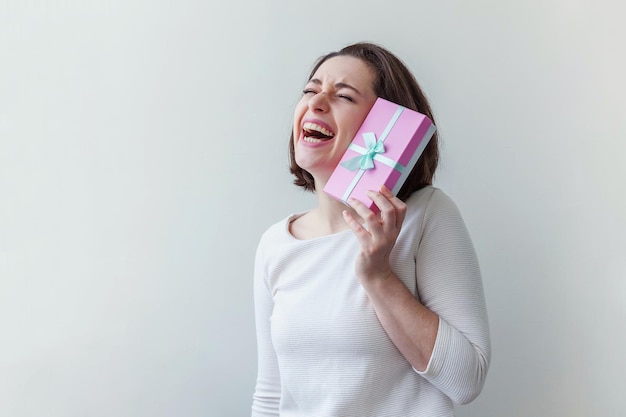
(296, 131)
(356, 122)
(298, 114)
(363, 114)
(301, 108)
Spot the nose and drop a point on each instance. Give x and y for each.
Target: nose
(319, 103)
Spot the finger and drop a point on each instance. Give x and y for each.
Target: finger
(399, 205)
(387, 210)
(362, 235)
(371, 220)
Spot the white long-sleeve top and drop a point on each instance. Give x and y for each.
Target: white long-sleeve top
(322, 351)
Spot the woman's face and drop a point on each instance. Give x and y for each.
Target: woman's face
(332, 108)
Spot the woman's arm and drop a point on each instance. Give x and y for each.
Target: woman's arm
(266, 397)
(444, 334)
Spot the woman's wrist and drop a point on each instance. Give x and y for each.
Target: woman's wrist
(379, 277)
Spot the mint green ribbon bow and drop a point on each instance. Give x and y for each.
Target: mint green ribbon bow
(366, 161)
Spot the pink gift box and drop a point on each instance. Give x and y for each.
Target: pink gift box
(383, 152)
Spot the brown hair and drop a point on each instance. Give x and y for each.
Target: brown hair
(394, 82)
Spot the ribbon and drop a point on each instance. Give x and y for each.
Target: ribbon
(365, 161)
(373, 152)
(369, 154)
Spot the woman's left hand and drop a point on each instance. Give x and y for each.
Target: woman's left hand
(378, 236)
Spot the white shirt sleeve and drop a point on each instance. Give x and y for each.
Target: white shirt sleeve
(266, 397)
(449, 283)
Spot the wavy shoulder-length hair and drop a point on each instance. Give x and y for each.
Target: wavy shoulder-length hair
(394, 82)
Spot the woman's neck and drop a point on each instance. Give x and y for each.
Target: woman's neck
(325, 219)
(329, 213)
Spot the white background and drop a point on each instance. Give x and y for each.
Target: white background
(143, 150)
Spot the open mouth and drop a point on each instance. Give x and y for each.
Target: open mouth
(315, 133)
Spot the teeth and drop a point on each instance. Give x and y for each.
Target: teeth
(312, 127)
(312, 140)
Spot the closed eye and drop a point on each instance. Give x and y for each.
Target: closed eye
(346, 97)
(308, 91)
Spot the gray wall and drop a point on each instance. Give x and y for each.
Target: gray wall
(143, 152)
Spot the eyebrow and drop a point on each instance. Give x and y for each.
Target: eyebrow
(337, 86)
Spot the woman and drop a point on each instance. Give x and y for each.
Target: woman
(361, 314)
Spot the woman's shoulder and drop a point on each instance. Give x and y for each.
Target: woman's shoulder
(429, 197)
(429, 204)
(280, 229)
